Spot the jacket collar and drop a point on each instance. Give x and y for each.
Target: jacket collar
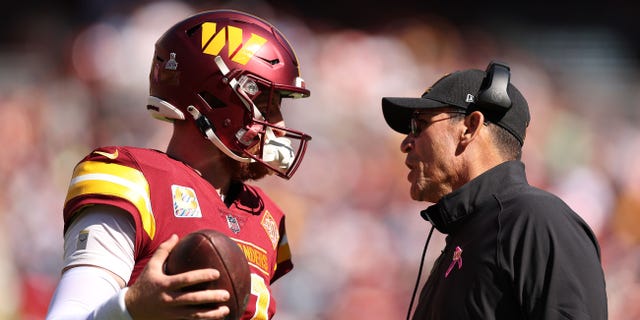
(450, 211)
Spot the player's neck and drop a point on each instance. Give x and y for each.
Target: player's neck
(206, 160)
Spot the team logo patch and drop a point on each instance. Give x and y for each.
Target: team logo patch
(82, 240)
(271, 227)
(185, 203)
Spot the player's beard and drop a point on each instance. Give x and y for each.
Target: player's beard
(243, 171)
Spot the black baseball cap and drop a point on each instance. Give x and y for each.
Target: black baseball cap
(460, 90)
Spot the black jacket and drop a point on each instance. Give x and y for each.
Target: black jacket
(522, 254)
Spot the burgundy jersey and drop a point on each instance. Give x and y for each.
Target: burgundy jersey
(165, 196)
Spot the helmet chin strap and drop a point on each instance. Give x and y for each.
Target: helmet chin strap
(277, 151)
(206, 128)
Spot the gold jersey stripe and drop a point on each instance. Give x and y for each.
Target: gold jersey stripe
(284, 252)
(92, 177)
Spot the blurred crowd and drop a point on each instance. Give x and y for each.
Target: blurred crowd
(355, 234)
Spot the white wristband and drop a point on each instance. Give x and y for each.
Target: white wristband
(114, 308)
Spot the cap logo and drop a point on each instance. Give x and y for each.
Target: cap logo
(213, 41)
(470, 98)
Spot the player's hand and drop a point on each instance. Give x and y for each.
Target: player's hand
(156, 295)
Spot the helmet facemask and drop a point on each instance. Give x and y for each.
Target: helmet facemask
(279, 148)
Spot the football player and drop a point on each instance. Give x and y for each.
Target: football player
(219, 77)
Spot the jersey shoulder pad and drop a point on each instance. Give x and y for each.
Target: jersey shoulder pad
(103, 169)
(110, 175)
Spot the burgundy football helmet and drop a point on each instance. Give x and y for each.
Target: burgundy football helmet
(212, 67)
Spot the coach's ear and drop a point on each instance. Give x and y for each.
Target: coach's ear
(473, 124)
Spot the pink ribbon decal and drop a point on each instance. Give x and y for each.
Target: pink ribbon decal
(457, 258)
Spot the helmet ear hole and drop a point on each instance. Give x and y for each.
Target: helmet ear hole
(163, 110)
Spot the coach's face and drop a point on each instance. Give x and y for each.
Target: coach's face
(431, 150)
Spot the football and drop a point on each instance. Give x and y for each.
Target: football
(211, 249)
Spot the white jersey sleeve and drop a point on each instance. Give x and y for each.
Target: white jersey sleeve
(88, 293)
(98, 249)
(101, 236)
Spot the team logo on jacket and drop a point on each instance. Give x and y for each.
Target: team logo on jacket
(271, 227)
(457, 259)
(185, 203)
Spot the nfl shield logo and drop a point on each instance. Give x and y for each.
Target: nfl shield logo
(233, 224)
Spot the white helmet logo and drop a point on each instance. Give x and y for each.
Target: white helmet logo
(172, 64)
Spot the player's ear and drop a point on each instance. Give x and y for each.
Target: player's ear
(473, 124)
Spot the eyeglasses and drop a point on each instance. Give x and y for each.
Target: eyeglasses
(417, 125)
